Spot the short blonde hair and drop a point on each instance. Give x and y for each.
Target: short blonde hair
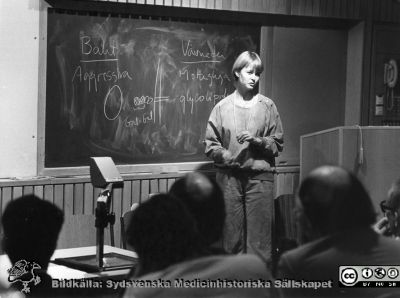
(245, 59)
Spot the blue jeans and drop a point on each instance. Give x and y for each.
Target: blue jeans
(249, 213)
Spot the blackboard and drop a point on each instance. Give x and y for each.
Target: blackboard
(138, 90)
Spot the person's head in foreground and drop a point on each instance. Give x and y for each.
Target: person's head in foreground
(204, 199)
(162, 232)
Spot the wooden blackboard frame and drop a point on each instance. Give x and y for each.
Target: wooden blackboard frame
(153, 168)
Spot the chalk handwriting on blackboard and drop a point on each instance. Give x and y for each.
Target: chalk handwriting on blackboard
(138, 90)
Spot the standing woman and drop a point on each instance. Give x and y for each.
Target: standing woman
(244, 135)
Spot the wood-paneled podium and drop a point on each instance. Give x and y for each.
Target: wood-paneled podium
(371, 152)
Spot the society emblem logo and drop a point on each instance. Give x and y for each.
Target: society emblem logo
(348, 276)
(24, 272)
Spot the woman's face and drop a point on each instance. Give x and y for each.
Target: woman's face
(248, 77)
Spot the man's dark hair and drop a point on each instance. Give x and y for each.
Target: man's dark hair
(31, 228)
(204, 199)
(334, 199)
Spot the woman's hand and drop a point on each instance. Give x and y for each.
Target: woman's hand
(245, 136)
(228, 159)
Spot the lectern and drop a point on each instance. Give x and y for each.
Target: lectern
(370, 152)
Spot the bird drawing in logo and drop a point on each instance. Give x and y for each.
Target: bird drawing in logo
(23, 271)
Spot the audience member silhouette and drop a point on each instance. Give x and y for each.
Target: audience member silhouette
(31, 227)
(339, 213)
(204, 199)
(389, 224)
(164, 234)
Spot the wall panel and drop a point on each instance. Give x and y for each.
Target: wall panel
(77, 197)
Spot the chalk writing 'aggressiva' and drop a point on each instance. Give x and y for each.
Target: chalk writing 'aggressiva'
(94, 78)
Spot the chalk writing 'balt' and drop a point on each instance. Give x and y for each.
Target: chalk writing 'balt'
(188, 51)
(89, 48)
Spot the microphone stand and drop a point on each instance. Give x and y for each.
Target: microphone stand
(103, 218)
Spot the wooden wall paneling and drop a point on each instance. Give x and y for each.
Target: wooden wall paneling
(59, 195)
(48, 194)
(226, 4)
(88, 199)
(17, 192)
(136, 190)
(249, 5)
(282, 6)
(27, 190)
(357, 8)
(69, 199)
(170, 182)
(79, 199)
(242, 5)
(127, 196)
(96, 193)
(316, 6)
(163, 185)
(202, 4)
(117, 208)
(154, 186)
(342, 8)
(307, 8)
(194, 3)
(295, 7)
(117, 201)
(330, 8)
(286, 184)
(277, 185)
(335, 10)
(210, 4)
(6, 197)
(234, 5)
(144, 190)
(258, 6)
(375, 9)
(38, 191)
(344, 12)
(265, 5)
(296, 182)
(349, 9)
(323, 8)
(353, 8)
